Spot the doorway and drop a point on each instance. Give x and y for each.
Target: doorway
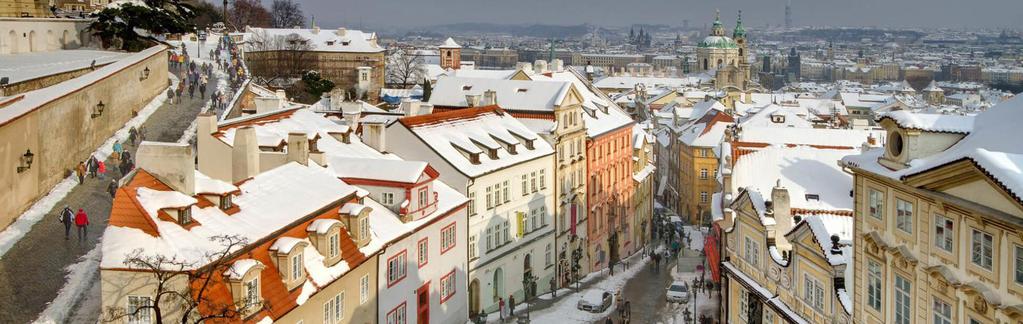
(423, 304)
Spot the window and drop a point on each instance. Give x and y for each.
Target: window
(525, 184)
(447, 286)
(507, 197)
(473, 245)
(703, 174)
(874, 285)
(982, 245)
(490, 198)
(532, 181)
(185, 216)
(333, 246)
(334, 309)
(703, 197)
(447, 238)
(497, 195)
(363, 289)
(904, 215)
(1019, 264)
(225, 202)
(397, 315)
(943, 233)
(876, 203)
(396, 268)
(423, 200)
(507, 232)
(543, 180)
(296, 266)
(472, 203)
(813, 292)
(752, 252)
(364, 228)
(942, 312)
(252, 292)
(387, 198)
(743, 305)
(903, 314)
(423, 251)
(535, 215)
(768, 316)
(549, 255)
(143, 316)
(490, 245)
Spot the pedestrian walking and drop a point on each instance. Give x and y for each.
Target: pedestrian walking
(101, 169)
(170, 95)
(191, 91)
(132, 134)
(91, 166)
(82, 221)
(118, 149)
(80, 171)
(112, 188)
(202, 90)
(66, 216)
(500, 307)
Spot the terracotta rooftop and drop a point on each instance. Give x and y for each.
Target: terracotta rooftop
(450, 115)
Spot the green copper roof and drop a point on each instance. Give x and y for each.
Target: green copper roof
(717, 42)
(739, 30)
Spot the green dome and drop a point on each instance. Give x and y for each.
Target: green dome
(717, 42)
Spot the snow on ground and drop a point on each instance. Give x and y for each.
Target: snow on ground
(696, 235)
(565, 309)
(80, 278)
(27, 66)
(706, 304)
(24, 223)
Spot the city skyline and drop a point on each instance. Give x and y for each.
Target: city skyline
(866, 13)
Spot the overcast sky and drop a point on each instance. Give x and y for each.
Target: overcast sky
(889, 13)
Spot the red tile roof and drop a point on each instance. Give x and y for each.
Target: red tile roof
(450, 115)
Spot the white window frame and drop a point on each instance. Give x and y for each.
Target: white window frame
(364, 289)
(875, 288)
(985, 248)
(875, 205)
(944, 233)
(1018, 267)
(903, 300)
(751, 251)
(297, 271)
(472, 203)
(387, 198)
(334, 247)
(143, 316)
(252, 292)
(942, 312)
(903, 215)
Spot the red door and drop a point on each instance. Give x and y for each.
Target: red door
(423, 297)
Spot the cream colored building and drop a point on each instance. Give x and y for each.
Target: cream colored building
(24, 8)
(938, 236)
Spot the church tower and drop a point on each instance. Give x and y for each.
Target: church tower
(718, 29)
(739, 35)
(450, 55)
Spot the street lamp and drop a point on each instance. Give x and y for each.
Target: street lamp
(144, 74)
(99, 109)
(26, 161)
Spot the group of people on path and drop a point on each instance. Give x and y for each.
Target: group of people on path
(80, 219)
(97, 168)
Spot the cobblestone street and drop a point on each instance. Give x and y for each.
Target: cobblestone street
(33, 271)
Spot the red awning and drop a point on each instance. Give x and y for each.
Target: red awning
(710, 248)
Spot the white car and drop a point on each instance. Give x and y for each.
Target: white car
(595, 301)
(678, 292)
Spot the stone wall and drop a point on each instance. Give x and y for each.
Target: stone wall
(57, 125)
(42, 82)
(23, 35)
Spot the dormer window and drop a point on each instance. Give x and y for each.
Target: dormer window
(330, 43)
(225, 202)
(252, 292)
(346, 137)
(312, 145)
(185, 216)
(778, 119)
(521, 90)
(345, 43)
(511, 149)
(895, 144)
(333, 245)
(297, 271)
(492, 153)
(813, 197)
(529, 144)
(466, 87)
(364, 227)
(474, 158)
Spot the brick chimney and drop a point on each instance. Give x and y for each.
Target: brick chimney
(172, 163)
(375, 135)
(298, 148)
(244, 154)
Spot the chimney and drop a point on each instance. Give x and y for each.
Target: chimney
(268, 104)
(425, 108)
(316, 29)
(540, 66)
(172, 163)
(281, 94)
(410, 107)
(245, 154)
(375, 135)
(780, 204)
(489, 98)
(557, 65)
(342, 32)
(472, 100)
(209, 149)
(524, 67)
(298, 148)
(325, 101)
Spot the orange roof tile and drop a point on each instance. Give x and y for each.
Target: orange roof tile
(450, 115)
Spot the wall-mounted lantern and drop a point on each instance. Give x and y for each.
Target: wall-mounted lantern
(99, 109)
(26, 161)
(144, 74)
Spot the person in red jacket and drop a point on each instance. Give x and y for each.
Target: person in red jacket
(82, 220)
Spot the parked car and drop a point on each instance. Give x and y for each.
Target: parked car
(678, 292)
(595, 301)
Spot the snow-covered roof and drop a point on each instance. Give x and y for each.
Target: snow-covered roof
(326, 40)
(804, 171)
(708, 130)
(153, 201)
(268, 202)
(376, 168)
(285, 244)
(931, 122)
(26, 66)
(450, 43)
(454, 135)
(239, 268)
(824, 226)
(596, 120)
(992, 145)
(629, 82)
(321, 226)
(511, 94)
(481, 74)
(776, 116)
(849, 138)
(207, 185)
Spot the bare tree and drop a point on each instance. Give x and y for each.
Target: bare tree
(249, 13)
(405, 67)
(183, 285)
(278, 60)
(286, 14)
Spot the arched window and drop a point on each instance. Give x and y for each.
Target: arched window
(705, 64)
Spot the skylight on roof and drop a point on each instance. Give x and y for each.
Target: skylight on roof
(466, 87)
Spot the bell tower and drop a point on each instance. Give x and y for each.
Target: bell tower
(739, 35)
(450, 55)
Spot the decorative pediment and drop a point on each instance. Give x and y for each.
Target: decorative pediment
(982, 296)
(965, 179)
(944, 275)
(904, 257)
(875, 243)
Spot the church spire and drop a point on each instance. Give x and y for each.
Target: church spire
(717, 30)
(740, 32)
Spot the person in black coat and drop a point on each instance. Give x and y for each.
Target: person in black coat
(66, 217)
